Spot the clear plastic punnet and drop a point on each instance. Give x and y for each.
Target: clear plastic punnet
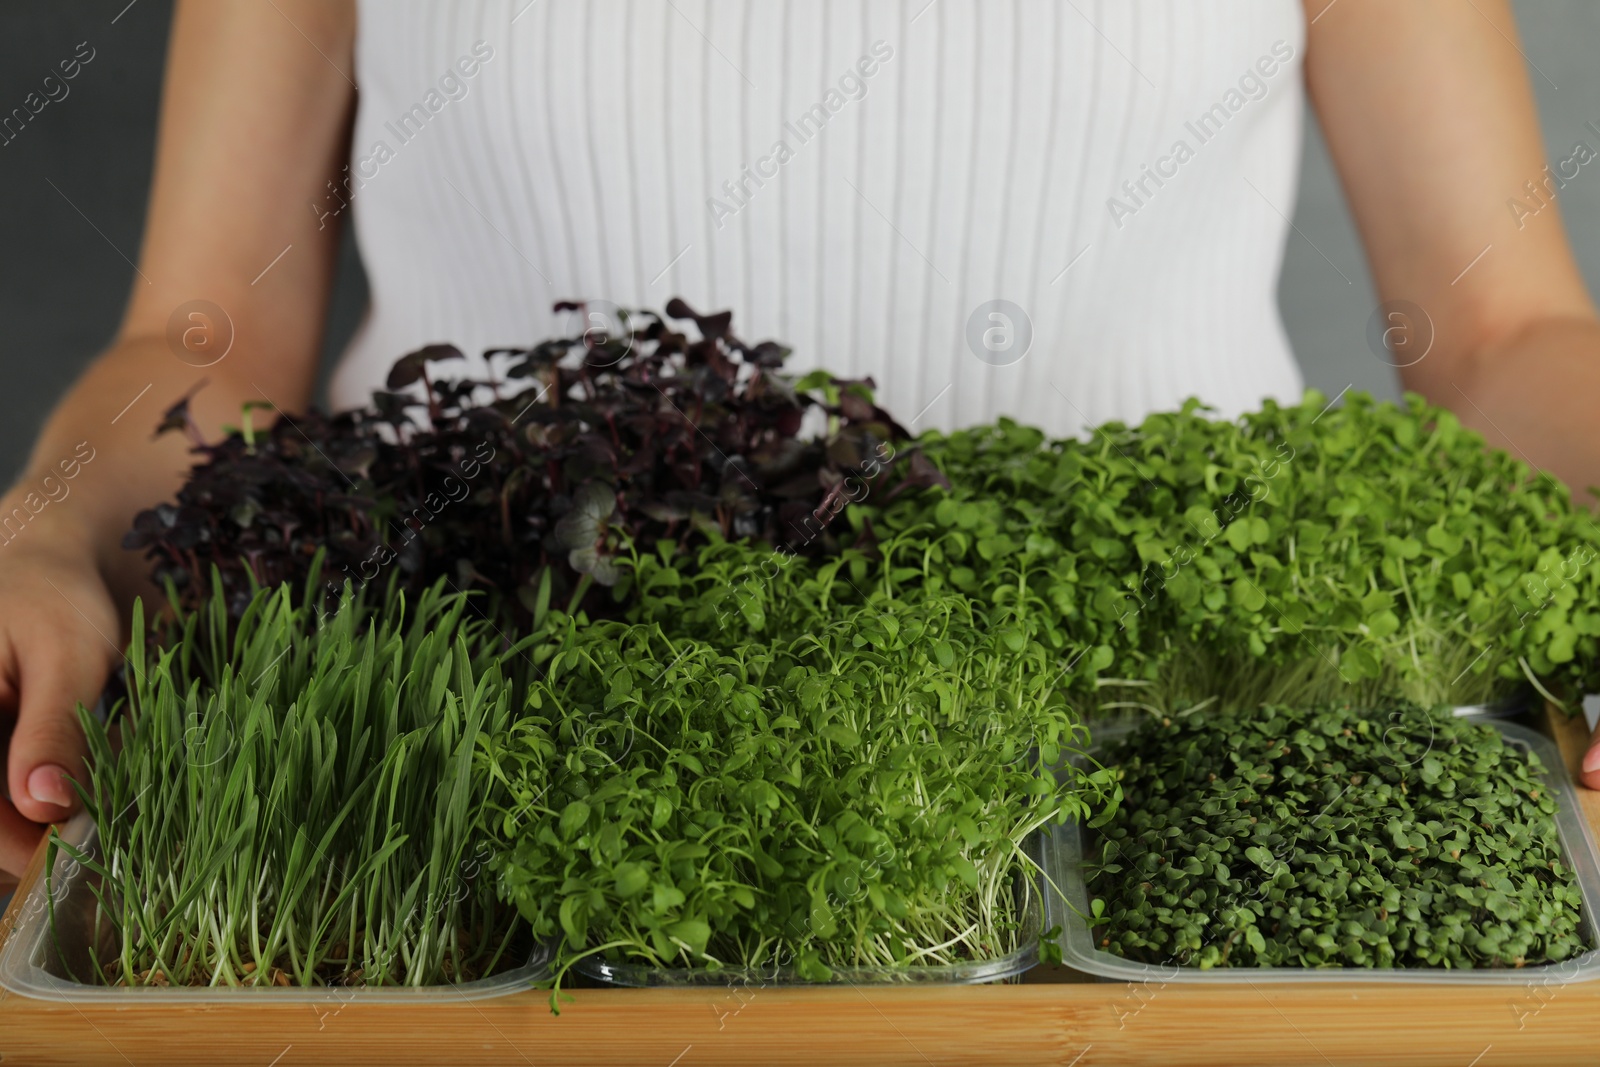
(36, 962)
(1064, 857)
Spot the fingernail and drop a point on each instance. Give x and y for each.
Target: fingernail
(1591, 760)
(48, 785)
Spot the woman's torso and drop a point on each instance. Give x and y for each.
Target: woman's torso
(1120, 172)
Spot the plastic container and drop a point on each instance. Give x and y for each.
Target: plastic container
(1063, 861)
(1002, 968)
(1524, 698)
(31, 965)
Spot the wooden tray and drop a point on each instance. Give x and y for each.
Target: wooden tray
(1055, 1017)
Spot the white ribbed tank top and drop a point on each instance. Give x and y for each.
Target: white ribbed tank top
(856, 179)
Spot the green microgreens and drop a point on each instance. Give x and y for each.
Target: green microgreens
(1399, 838)
(1296, 554)
(784, 780)
(292, 799)
(835, 761)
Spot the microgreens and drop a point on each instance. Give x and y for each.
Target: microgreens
(291, 799)
(845, 783)
(1392, 838)
(529, 486)
(831, 755)
(1299, 554)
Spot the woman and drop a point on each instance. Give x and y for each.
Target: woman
(1066, 212)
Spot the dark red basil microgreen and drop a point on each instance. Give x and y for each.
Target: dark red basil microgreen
(530, 484)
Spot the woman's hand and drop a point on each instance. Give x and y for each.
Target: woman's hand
(1591, 762)
(58, 642)
(255, 126)
(1430, 118)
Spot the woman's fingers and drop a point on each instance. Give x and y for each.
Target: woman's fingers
(57, 624)
(57, 670)
(1591, 761)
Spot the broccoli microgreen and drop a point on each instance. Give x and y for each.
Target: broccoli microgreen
(1339, 837)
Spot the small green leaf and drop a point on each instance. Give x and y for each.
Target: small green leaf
(574, 817)
(1247, 595)
(631, 879)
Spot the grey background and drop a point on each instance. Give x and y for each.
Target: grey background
(63, 275)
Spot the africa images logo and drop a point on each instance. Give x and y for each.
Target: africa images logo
(806, 127)
(1253, 85)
